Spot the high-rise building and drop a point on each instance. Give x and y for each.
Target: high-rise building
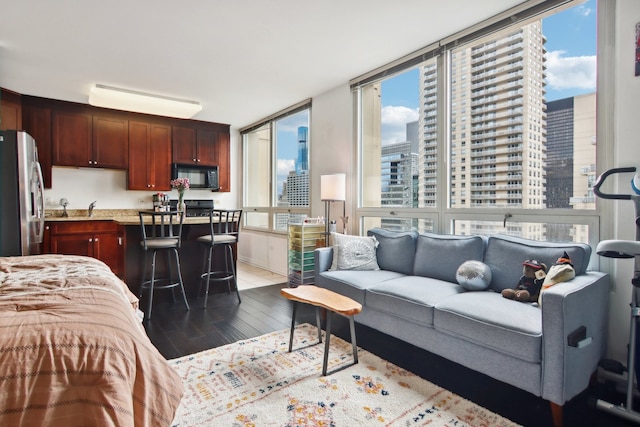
(497, 124)
(302, 163)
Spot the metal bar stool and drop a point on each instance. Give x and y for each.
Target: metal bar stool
(161, 231)
(224, 227)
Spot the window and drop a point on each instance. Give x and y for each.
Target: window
(525, 95)
(276, 170)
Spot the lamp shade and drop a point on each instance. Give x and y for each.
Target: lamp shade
(333, 187)
(140, 102)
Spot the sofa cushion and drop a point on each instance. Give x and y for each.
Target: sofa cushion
(410, 297)
(505, 255)
(396, 250)
(439, 255)
(489, 320)
(353, 283)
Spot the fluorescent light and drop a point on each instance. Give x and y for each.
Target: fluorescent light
(140, 102)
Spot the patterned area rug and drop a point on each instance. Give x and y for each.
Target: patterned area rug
(257, 382)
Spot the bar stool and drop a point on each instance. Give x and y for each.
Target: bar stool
(161, 232)
(224, 227)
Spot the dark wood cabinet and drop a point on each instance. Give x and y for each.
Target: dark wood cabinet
(194, 145)
(223, 157)
(80, 135)
(36, 120)
(103, 240)
(10, 110)
(149, 156)
(206, 145)
(82, 139)
(72, 138)
(110, 142)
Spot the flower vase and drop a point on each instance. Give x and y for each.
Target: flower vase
(182, 208)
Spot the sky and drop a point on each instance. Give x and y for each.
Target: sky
(571, 69)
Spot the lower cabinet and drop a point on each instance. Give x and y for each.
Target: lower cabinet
(103, 240)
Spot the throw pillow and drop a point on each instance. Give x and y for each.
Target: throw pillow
(354, 252)
(474, 275)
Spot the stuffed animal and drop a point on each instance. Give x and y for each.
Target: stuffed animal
(561, 271)
(528, 288)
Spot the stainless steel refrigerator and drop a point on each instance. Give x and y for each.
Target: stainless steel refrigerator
(21, 195)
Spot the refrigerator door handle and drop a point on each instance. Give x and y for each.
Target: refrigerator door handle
(40, 204)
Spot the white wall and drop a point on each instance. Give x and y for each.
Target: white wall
(626, 153)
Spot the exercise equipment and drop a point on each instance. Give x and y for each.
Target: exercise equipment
(624, 249)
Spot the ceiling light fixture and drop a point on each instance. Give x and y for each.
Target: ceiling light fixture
(140, 102)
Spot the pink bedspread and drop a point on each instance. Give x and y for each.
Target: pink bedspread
(72, 350)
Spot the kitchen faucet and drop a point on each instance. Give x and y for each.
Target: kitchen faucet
(91, 206)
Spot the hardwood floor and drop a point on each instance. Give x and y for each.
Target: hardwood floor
(177, 332)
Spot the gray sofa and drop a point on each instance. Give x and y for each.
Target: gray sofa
(414, 296)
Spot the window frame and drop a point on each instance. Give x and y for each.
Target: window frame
(443, 214)
(273, 210)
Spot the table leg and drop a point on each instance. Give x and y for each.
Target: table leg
(353, 339)
(293, 325)
(318, 324)
(326, 344)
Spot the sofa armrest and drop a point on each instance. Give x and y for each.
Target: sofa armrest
(566, 307)
(323, 258)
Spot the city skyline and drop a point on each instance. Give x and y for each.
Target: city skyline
(570, 60)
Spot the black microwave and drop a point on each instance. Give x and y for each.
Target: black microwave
(199, 176)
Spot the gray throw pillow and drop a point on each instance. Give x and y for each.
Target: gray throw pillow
(396, 250)
(439, 255)
(354, 252)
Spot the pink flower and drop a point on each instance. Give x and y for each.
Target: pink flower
(180, 184)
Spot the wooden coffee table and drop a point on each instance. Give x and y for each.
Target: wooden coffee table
(333, 303)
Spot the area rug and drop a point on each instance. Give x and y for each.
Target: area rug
(257, 382)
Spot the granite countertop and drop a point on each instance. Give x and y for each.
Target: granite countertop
(121, 216)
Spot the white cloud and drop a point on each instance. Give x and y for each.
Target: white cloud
(284, 166)
(394, 120)
(571, 72)
(582, 10)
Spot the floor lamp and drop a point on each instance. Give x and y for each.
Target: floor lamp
(332, 188)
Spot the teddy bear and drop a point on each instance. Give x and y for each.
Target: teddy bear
(530, 283)
(561, 271)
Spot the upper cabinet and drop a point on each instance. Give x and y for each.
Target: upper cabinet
(204, 144)
(193, 145)
(89, 140)
(149, 156)
(10, 110)
(79, 135)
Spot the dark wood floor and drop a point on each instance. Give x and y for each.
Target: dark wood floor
(177, 332)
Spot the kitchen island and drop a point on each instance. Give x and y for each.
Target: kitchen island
(114, 237)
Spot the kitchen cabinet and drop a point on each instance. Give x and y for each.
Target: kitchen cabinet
(82, 139)
(203, 145)
(149, 156)
(103, 240)
(36, 119)
(191, 145)
(10, 110)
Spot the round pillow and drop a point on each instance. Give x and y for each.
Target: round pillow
(474, 275)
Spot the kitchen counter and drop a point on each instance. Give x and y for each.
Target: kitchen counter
(121, 216)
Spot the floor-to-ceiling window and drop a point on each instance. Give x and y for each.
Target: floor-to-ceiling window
(489, 131)
(276, 169)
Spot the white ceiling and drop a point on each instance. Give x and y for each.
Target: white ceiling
(242, 59)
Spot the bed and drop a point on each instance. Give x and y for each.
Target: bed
(73, 350)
